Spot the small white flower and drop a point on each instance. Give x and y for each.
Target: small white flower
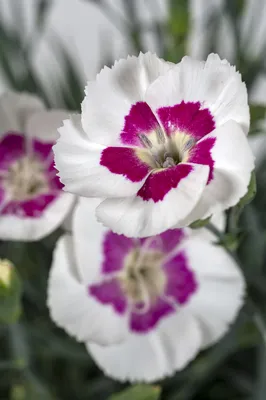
(144, 307)
(163, 145)
(32, 203)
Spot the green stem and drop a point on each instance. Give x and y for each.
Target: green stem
(232, 221)
(260, 389)
(18, 345)
(261, 326)
(11, 365)
(212, 228)
(220, 236)
(253, 289)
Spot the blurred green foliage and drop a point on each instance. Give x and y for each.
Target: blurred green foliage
(140, 392)
(177, 30)
(38, 360)
(257, 113)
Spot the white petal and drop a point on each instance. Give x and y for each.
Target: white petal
(109, 98)
(44, 124)
(78, 162)
(214, 83)
(15, 109)
(219, 220)
(233, 164)
(221, 288)
(135, 217)
(88, 237)
(152, 356)
(68, 221)
(72, 308)
(31, 229)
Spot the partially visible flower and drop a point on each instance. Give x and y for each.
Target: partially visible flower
(6, 268)
(144, 307)
(32, 203)
(163, 145)
(10, 292)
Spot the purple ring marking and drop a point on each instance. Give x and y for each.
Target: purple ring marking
(13, 146)
(110, 292)
(143, 323)
(187, 117)
(139, 120)
(181, 279)
(158, 184)
(201, 154)
(165, 242)
(115, 249)
(124, 161)
(180, 286)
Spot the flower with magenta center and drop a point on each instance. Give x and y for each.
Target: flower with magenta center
(162, 145)
(143, 307)
(32, 203)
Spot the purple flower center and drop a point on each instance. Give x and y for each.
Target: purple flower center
(168, 135)
(165, 152)
(157, 145)
(142, 278)
(28, 181)
(25, 178)
(147, 279)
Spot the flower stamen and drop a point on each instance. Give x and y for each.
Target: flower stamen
(160, 136)
(169, 162)
(25, 179)
(145, 141)
(189, 144)
(142, 279)
(164, 151)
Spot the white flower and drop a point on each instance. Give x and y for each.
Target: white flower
(163, 145)
(32, 203)
(144, 307)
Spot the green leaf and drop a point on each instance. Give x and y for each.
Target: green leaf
(235, 212)
(18, 392)
(200, 223)
(42, 9)
(72, 89)
(252, 247)
(178, 28)
(260, 388)
(31, 389)
(179, 18)
(32, 261)
(231, 241)
(139, 392)
(257, 112)
(252, 189)
(10, 292)
(234, 8)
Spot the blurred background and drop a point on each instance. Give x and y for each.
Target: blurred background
(51, 48)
